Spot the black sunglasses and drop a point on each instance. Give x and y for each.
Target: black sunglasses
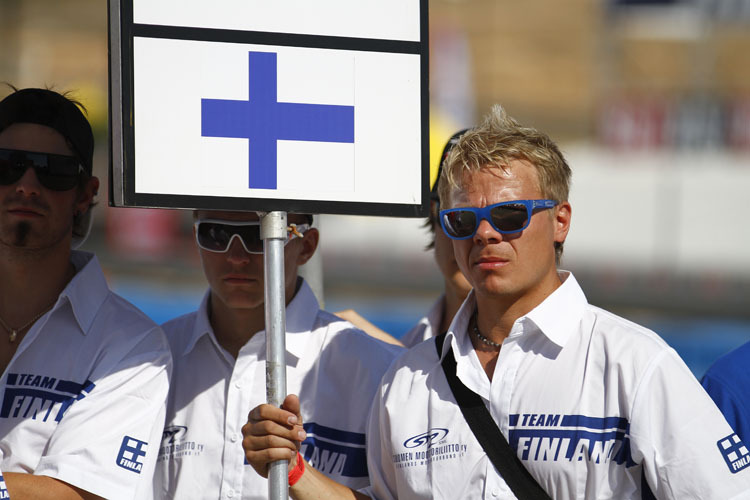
(55, 172)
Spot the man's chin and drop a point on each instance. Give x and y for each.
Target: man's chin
(21, 234)
(245, 303)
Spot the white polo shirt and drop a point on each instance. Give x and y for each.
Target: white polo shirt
(333, 367)
(84, 395)
(591, 403)
(427, 327)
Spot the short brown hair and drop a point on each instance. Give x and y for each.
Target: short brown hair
(495, 143)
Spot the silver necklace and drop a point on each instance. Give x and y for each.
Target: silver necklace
(481, 337)
(13, 332)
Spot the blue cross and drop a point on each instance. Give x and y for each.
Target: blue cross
(264, 120)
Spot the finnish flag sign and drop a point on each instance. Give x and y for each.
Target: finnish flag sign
(297, 106)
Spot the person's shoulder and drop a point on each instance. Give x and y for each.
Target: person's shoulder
(417, 333)
(120, 333)
(118, 318)
(178, 330)
(346, 336)
(176, 327)
(732, 366)
(622, 332)
(419, 360)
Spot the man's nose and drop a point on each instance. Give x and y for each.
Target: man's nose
(28, 184)
(237, 253)
(486, 234)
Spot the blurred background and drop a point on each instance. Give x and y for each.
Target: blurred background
(649, 100)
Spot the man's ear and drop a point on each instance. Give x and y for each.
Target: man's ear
(309, 245)
(562, 221)
(86, 195)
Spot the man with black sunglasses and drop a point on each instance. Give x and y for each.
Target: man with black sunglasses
(219, 367)
(565, 399)
(85, 374)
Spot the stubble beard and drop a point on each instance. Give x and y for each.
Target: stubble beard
(21, 235)
(25, 238)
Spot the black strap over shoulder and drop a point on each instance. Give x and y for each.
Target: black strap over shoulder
(488, 433)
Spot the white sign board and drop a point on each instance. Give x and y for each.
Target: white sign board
(247, 105)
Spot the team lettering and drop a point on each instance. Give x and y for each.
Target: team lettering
(539, 420)
(554, 437)
(556, 448)
(31, 380)
(31, 407)
(28, 395)
(328, 462)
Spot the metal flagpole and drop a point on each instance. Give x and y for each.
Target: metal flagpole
(274, 233)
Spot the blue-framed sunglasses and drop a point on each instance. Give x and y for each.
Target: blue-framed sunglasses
(216, 235)
(506, 217)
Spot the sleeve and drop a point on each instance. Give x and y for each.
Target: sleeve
(684, 444)
(731, 404)
(379, 466)
(108, 439)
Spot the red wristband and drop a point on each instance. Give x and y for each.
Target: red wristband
(297, 471)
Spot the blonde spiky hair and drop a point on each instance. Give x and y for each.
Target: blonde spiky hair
(494, 144)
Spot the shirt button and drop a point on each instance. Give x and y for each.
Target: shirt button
(238, 384)
(495, 492)
(234, 440)
(230, 493)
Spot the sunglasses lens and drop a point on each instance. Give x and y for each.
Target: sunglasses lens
(215, 237)
(460, 223)
(10, 168)
(510, 217)
(60, 172)
(251, 237)
(55, 172)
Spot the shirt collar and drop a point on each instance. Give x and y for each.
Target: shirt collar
(457, 337)
(201, 325)
(560, 313)
(556, 317)
(435, 316)
(85, 291)
(300, 319)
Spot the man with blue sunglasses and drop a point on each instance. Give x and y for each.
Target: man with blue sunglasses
(220, 375)
(589, 404)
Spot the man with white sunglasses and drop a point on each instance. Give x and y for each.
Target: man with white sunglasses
(588, 404)
(219, 368)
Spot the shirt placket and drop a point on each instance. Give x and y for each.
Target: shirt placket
(237, 401)
(501, 392)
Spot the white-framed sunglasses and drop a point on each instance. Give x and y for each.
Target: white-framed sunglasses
(216, 235)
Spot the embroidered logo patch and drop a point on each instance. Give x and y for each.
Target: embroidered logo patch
(426, 438)
(131, 453)
(172, 434)
(735, 453)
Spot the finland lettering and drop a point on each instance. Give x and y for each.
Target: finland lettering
(556, 437)
(28, 395)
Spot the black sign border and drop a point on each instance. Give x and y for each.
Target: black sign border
(122, 32)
